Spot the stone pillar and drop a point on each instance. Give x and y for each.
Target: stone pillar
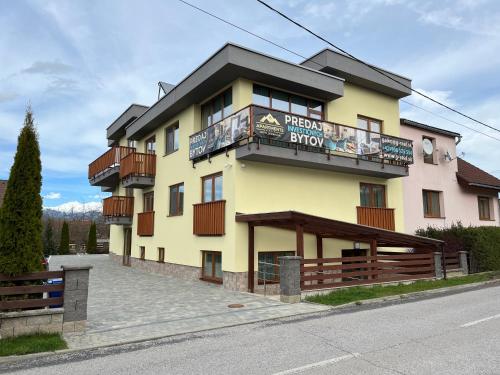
(438, 265)
(76, 286)
(290, 279)
(462, 257)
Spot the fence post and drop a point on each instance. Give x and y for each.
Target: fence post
(462, 257)
(290, 279)
(438, 265)
(76, 286)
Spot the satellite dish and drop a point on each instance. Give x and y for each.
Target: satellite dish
(428, 147)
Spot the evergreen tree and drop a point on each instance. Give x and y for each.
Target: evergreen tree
(49, 247)
(92, 241)
(64, 243)
(21, 246)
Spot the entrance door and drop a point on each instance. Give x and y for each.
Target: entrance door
(127, 246)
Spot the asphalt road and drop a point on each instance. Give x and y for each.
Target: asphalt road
(455, 334)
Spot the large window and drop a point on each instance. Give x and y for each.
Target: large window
(286, 102)
(176, 200)
(372, 195)
(371, 125)
(269, 265)
(151, 145)
(432, 205)
(148, 202)
(172, 138)
(484, 208)
(212, 188)
(217, 108)
(212, 266)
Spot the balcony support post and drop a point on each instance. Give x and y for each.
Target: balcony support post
(251, 257)
(299, 234)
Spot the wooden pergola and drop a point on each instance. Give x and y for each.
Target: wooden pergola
(328, 228)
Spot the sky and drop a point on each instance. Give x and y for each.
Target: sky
(81, 63)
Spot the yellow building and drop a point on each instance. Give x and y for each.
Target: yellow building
(249, 134)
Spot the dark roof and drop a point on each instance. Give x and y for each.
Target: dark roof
(3, 187)
(329, 228)
(117, 129)
(471, 175)
(429, 128)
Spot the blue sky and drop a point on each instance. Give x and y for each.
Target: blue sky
(81, 63)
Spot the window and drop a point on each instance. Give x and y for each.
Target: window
(212, 266)
(212, 188)
(431, 203)
(269, 265)
(151, 145)
(286, 102)
(429, 158)
(142, 251)
(171, 139)
(161, 255)
(176, 200)
(132, 143)
(148, 202)
(372, 195)
(484, 208)
(371, 125)
(217, 108)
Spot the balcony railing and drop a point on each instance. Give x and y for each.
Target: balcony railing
(145, 223)
(117, 206)
(209, 218)
(138, 165)
(376, 217)
(108, 160)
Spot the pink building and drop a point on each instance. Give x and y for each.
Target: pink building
(442, 188)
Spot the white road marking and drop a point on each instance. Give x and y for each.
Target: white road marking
(297, 370)
(479, 321)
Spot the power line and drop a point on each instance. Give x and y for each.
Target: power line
(318, 64)
(373, 67)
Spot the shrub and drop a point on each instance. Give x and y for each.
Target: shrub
(92, 240)
(64, 243)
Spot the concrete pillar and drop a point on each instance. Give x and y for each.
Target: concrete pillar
(76, 285)
(438, 265)
(462, 257)
(290, 279)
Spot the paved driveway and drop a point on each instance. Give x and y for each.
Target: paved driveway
(127, 304)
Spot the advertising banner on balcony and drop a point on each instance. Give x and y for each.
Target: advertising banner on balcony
(223, 134)
(287, 127)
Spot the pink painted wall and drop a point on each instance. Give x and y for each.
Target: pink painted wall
(457, 204)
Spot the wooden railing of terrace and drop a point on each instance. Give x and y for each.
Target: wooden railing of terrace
(146, 223)
(376, 217)
(138, 164)
(109, 159)
(209, 218)
(118, 206)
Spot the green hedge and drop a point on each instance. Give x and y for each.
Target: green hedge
(482, 243)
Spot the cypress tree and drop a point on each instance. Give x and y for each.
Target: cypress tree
(92, 240)
(64, 243)
(49, 247)
(21, 246)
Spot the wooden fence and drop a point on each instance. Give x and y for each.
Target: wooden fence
(19, 297)
(338, 272)
(451, 261)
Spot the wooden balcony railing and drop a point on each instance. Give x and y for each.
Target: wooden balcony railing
(209, 218)
(138, 164)
(117, 206)
(376, 217)
(109, 159)
(145, 223)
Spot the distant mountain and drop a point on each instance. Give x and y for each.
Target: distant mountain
(75, 210)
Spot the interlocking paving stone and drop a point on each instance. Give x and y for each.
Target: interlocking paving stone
(126, 304)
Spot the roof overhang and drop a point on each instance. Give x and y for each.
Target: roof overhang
(429, 128)
(359, 74)
(226, 65)
(117, 129)
(330, 228)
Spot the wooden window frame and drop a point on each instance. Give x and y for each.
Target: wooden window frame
(211, 102)
(212, 176)
(372, 196)
(432, 161)
(426, 191)
(212, 279)
(487, 199)
(177, 212)
(369, 120)
(151, 139)
(142, 252)
(161, 255)
(144, 197)
(276, 270)
(171, 129)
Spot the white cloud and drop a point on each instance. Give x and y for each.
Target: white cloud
(77, 207)
(52, 195)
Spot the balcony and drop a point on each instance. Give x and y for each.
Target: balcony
(146, 223)
(209, 218)
(376, 217)
(104, 171)
(138, 170)
(270, 136)
(118, 210)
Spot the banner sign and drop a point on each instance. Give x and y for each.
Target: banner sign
(223, 134)
(397, 149)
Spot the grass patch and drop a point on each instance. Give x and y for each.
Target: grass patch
(359, 293)
(43, 342)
